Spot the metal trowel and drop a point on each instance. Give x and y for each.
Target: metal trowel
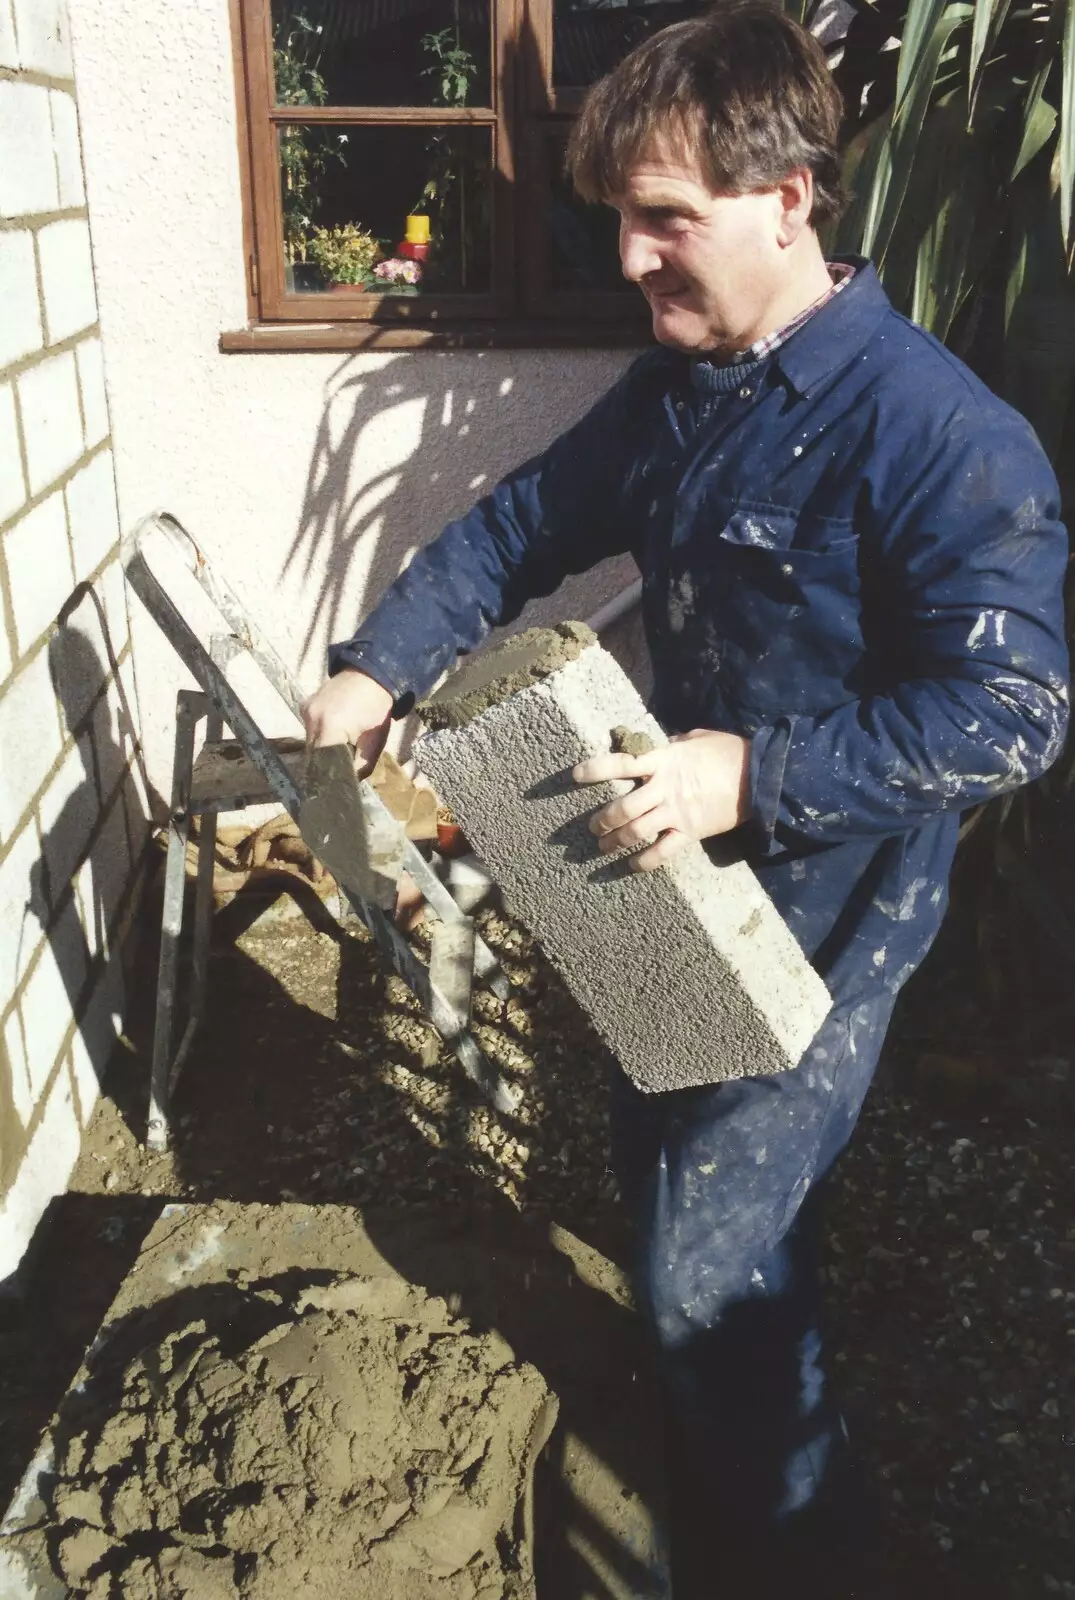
(348, 829)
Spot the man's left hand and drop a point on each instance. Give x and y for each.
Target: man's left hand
(694, 787)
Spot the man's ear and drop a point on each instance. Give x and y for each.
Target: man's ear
(796, 204)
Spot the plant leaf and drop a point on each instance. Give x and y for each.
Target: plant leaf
(989, 18)
(1046, 55)
(867, 167)
(964, 216)
(919, 30)
(903, 141)
(1039, 343)
(1038, 123)
(1013, 287)
(1067, 123)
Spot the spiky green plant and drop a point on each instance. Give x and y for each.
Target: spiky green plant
(960, 162)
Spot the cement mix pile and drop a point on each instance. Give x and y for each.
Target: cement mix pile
(351, 1438)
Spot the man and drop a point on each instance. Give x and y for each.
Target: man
(852, 569)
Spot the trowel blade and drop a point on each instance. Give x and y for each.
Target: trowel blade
(358, 842)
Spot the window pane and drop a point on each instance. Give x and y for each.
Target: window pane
(591, 36)
(381, 52)
(348, 190)
(583, 242)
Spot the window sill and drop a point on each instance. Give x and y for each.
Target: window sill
(339, 336)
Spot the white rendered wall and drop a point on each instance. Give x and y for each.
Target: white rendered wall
(72, 817)
(310, 479)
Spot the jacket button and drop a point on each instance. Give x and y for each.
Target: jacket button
(745, 392)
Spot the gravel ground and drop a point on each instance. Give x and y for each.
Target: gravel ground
(951, 1262)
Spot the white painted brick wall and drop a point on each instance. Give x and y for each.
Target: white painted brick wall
(86, 1074)
(46, 1008)
(20, 928)
(65, 861)
(21, 330)
(9, 55)
(91, 383)
(101, 1023)
(67, 814)
(39, 568)
(68, 149)
(112, 587)
(28, 181)
(107, 743)
(43, 1170)
(29, 739)
(44, 37)
(97, 939)
(109, 864)
(63, 249)
(52, 424)
(15, 1056)
(12, 479)
(91, 508)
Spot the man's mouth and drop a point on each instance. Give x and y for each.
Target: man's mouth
(674, 292)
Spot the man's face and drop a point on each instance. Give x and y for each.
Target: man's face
(708, 264)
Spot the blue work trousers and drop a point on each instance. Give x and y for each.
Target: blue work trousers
(725, 1185)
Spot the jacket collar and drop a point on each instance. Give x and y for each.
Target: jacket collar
(836, 333)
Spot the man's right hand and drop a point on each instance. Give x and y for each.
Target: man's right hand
(350, 709)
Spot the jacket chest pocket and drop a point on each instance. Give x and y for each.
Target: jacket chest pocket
(776, 598)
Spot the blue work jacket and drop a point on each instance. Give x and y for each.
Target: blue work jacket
(853, 556)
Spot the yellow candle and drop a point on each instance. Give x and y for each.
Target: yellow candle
(417, 230)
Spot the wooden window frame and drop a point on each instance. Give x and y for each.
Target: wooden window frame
(526, 117)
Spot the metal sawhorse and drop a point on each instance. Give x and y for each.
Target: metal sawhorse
(229, 774)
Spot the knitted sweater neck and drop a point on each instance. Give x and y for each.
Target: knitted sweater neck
(710, 379)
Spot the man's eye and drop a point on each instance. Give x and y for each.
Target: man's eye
(663, 217)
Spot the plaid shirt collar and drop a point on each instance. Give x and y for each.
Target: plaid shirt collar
(841, 273)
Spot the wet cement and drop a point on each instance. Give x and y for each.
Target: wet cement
(254, 1421)
(356, 1440)
(625, 742)
(485, 679)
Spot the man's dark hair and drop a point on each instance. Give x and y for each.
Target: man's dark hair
(742, 89)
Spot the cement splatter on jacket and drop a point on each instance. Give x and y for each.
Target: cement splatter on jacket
(853, 556)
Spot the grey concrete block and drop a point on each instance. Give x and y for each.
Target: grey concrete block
(688, 973)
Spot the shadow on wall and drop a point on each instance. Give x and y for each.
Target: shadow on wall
(90, 848)
(404, 448)
(399, 452)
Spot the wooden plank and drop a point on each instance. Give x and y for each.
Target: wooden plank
(386, 309)
(265, 162)
(226, 779)
(279, 337)
(409, 116)
(242, 121)
(503, 24)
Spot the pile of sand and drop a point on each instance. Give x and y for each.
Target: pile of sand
(353, 1439)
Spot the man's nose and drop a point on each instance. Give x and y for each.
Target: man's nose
(639, 255)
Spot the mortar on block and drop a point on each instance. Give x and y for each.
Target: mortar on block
(688, 973)
(269, 1411)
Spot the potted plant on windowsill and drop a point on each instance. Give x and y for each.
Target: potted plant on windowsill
(346, 257)
(398, 275)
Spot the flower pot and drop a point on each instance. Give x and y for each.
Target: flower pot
(347, 288)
